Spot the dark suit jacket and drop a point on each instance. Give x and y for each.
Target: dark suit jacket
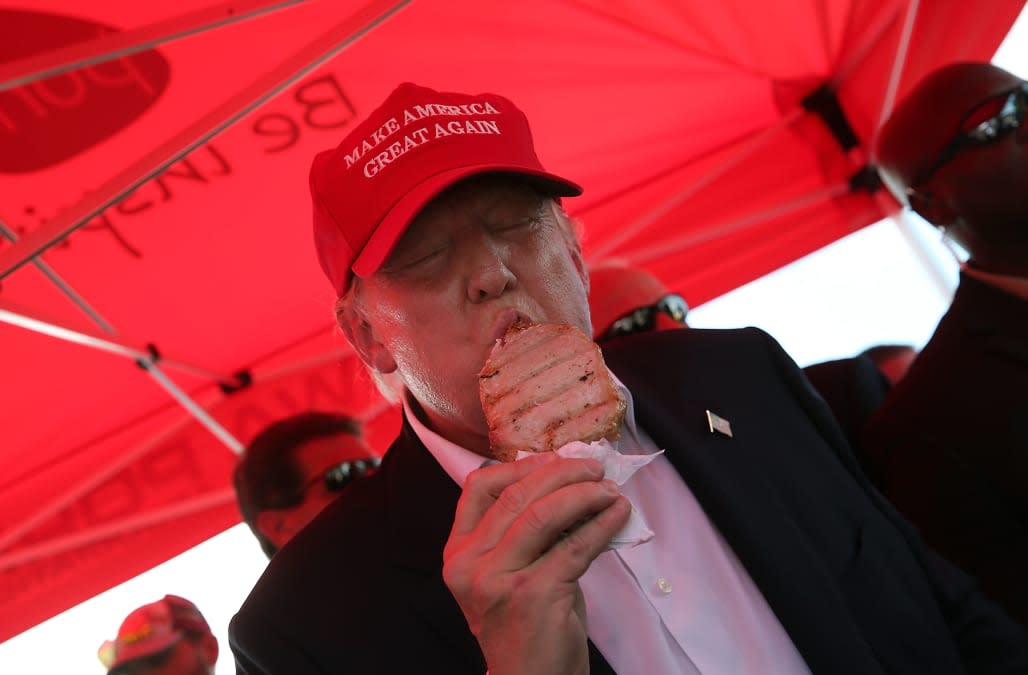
(949, 447)
(361, 591)
(853, 388)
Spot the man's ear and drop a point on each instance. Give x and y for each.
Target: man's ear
(583, 270)
(574, 245)
(362, 336)
(931, 208)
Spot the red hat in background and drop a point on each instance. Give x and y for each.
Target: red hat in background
(151, 629)
(616, 290)
(412, 147)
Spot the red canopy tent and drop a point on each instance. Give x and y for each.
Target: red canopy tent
(159, 298)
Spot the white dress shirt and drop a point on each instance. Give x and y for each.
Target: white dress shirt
(681, 603)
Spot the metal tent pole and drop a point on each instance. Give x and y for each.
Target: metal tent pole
(897, 65)
(644, 255)
(146, 358)
(871, 37)
(201, 415)
(115, 45)
(751, 145)
(61, 284)
(636, 226)
(18, 316)
(318, 51)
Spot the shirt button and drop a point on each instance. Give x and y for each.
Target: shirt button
(664, 586)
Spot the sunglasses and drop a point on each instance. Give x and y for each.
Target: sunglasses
(982, 125)
(336, 477)
(645, 318)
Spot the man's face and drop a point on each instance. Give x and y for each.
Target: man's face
(313, 459)
(970, 182)
(987, 184)
(485, 253)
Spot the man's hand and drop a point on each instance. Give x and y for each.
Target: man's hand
(516, 551)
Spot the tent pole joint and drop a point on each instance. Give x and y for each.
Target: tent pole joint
(824, 103)
(153, 359)
(241, 380)
(866, 179)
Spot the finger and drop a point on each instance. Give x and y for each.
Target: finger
(570, 557)
(551, 517)
(519, 496)
(484, 486)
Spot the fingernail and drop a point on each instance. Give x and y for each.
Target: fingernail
(610, 487)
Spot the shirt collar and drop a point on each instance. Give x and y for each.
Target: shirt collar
(458, 461)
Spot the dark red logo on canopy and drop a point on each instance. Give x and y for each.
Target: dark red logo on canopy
(47, 121)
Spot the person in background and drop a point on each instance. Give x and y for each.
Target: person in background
(293, 469)
(167, 637)
(893, 360)
(439, 229)
(855, 387)
(950, 444)
(625, 299)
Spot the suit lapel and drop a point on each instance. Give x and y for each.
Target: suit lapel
(748, 514)
(421, 501)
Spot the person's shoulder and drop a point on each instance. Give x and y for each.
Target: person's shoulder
(307, 578)
(345, 538)
(858, 372)
(727, 355)
(708, 338)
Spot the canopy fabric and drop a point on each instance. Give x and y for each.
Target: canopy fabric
(166, 189)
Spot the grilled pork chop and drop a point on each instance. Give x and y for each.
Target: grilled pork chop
(545, 385)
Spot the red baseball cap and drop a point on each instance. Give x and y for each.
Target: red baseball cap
(417, 143)
(616, 290)
(151, 629)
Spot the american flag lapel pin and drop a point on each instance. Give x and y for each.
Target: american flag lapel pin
(718, 424)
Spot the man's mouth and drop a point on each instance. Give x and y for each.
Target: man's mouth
(505, 320)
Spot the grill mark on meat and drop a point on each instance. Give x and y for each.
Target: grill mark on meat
(541, 388)
(531, 373)
(537, 418)
(558, 432)
(588, 416)
(533, 339)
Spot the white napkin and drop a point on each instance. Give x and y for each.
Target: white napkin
(618, 468)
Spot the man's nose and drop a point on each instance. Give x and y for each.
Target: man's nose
(490, 275)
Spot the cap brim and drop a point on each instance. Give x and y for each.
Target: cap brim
(144, 648)
(395, 222)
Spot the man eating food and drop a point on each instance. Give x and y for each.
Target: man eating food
(770, 554)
